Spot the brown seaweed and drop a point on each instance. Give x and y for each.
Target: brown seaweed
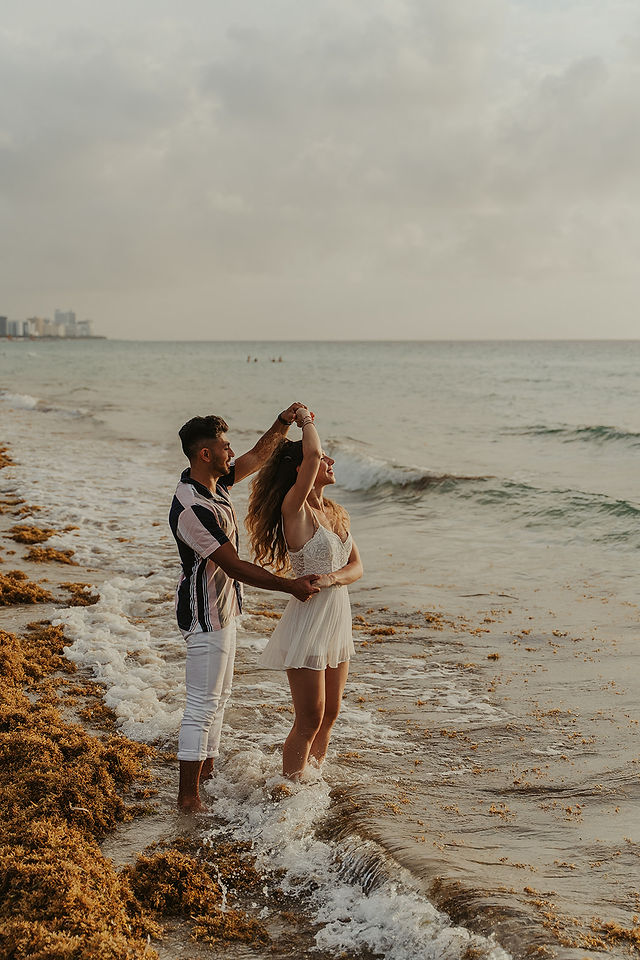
(80, 594)
(61, 790)
(25, 533)
(15, 587)
(177, 883)
(5, 459)
(47, 554)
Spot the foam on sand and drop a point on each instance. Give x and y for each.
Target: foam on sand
(137, 668)
(388, 916)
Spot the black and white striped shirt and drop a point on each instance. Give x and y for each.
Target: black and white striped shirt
(201, 521)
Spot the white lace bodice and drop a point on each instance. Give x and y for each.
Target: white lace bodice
(325, 552)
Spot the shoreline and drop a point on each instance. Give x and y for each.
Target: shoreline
(496, 845)
(464, 819)
(18, 339)
(98, 808)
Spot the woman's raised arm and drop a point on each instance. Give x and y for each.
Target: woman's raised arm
(308, 469)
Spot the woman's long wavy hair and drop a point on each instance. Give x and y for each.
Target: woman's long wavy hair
(268, 490)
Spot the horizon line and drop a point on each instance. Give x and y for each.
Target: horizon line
(105, 337)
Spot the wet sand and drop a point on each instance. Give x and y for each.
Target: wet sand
(524, 824)
(508, 786)
(506, 782)
(97, 860)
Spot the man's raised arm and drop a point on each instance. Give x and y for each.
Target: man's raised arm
(253, 459)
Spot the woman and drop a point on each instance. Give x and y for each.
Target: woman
(292, 524)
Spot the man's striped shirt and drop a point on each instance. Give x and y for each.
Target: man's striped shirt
(201, 521)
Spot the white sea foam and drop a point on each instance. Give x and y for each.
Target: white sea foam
(392, 918)
(22, 401)
(25, 401)
(137, 668)
(116, 498)
(457, 698)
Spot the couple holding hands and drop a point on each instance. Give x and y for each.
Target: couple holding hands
(292, 525)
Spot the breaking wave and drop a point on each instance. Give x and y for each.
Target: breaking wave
(357, 471)
(576, 513)
(24, 401)
(361, 901)
(596, 433)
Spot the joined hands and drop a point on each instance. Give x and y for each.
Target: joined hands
(305, 587)
(289, 415)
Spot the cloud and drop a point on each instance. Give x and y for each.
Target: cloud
(173, 157)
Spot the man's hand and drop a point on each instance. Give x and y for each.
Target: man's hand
(253, 459)
(305, 587)
(290, 413)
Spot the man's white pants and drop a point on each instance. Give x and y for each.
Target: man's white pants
(209, 674)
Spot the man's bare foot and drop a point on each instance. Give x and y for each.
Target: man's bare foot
(192, 805)
(188, 793)
(206, 771)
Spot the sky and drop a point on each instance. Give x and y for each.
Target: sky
(322, 169)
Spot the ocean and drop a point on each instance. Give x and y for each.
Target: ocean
(481, 793)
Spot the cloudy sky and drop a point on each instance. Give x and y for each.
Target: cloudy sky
(322, 168)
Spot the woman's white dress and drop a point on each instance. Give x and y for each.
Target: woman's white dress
(316, 634)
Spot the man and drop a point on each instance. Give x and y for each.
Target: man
(209, 593)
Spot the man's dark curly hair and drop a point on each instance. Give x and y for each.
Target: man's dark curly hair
(198, 431)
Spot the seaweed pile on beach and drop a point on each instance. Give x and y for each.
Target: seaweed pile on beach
(63, 790)
(68, 780)
(15, 587)
(32, 535)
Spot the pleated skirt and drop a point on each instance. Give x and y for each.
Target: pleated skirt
(316, 634)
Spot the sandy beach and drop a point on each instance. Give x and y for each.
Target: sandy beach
(418, 221)
(96, 861)
(470, 825)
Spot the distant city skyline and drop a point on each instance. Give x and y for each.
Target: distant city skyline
(64, 325)
(388, 169)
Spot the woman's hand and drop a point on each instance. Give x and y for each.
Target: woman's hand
(351, 572)
(289, 415)
(301, 414)
(326, 580)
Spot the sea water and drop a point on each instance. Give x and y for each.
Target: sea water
(483, 772)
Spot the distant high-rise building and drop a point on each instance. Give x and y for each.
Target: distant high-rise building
(13, 329)
(83, 328)
(4, 326)
(36, 326)
(65, 322)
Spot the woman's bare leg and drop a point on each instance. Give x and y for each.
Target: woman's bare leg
(334, 681)
(307, 693)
